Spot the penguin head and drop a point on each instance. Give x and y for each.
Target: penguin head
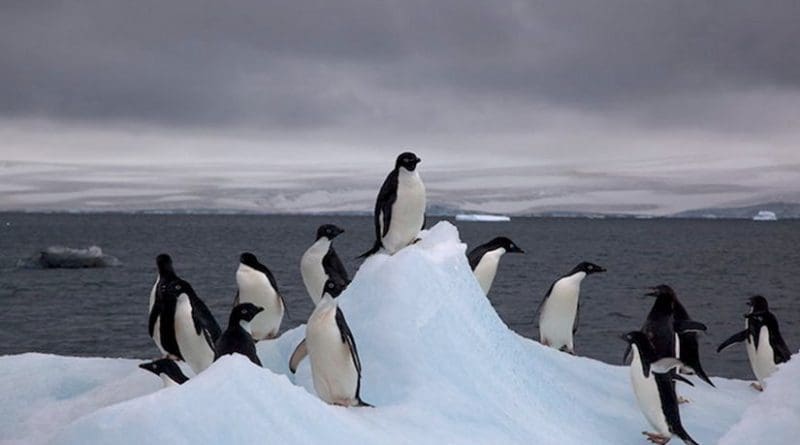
(329, 231)
(637, 338)
(588, 268)
(408, 161)
(250, 260)
(758, 303)
(165, 366)
(164, 265)
(333, 287)
(662, 290)
(245, 312)
(505, 243)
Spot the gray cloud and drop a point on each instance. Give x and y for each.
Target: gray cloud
(318, 64)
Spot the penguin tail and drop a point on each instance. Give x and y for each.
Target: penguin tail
(362, 403)
(685, 437)
(375, 248)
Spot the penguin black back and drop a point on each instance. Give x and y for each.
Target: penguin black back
(758, 320)
(659, 324)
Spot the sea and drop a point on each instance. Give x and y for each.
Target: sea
(714, 266)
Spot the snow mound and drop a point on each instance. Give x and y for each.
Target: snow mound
(438, 363)
(60, 257)
(774, 417)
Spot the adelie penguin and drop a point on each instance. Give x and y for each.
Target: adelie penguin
(187, 329)
(559, 311)
(656, 396)
(321, 263)
(165, 274)
(257, 285)
(237, 339)
(663, 326)
(168, 370)
(484, 259)
(765, 346)
(331, 349)
(400, 207)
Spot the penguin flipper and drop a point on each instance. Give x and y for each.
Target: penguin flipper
(577, 318)
(683, 379)
(683, 326)
(679, 431)
(665, 365)
(334, 267)
(735, 338)
(363, 403)
(154, 313)
(780, 352)
(375, 248)
(300, 352)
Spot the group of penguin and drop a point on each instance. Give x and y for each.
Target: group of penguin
(183, 328)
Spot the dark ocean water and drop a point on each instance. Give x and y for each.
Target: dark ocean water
(714, 265)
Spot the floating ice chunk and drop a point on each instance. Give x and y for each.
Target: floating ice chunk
(482, 218)
(55, 257)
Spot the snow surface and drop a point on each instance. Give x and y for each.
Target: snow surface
(438, 363)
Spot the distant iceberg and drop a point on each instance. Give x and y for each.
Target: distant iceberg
(60, 257)
(475, 217)
(439, 365)
(765, 215)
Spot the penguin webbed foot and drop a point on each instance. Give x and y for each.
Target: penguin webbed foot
(567, 350)
(757, 386)
(656, 438)
(682, 400)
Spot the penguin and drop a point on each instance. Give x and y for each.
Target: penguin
(656, 396)
(763, 340)
(237, 338)
(662, 327)
(558, 312)
(484, 259)
(168, 370)
(184, 323)
(687, 349)
(335, 365)
(320, 262)
(191, 329)
(258, 286)
(165, 274)
(400, 207)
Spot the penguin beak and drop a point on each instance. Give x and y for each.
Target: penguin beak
(517, 250)
(601, 269)
(653, 292)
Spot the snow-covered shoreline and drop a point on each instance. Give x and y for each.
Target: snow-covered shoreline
(438, 363)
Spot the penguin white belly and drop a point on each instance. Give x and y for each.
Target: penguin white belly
(311, 269)
(647, 395)
(558, 314)
(332, 368)
(408, 212)
(254, 287)
(764, 364)
(486, 269)
(194, 348)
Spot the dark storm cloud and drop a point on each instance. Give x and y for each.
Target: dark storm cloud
(318, 64)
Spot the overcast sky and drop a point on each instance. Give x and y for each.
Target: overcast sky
(493, 82)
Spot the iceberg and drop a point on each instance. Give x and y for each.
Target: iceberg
(482, 218)
(439, 365)
(60, 257)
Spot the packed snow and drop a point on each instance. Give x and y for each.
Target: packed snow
(438, 364)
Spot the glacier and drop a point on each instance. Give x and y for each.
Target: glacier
(439, 365)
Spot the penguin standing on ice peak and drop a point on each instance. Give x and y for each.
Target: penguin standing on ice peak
(335, 364)
(763, 340)
(237, 339)
(257, 285)
(653, 385)
(187, 325)
(320, 262)
(484, 259)
(559, 311)
(400, 207)
(168, 370)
